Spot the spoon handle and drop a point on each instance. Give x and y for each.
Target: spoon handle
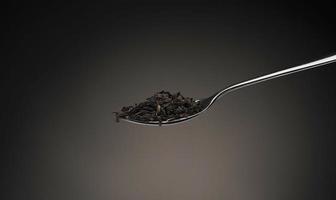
(277, 74)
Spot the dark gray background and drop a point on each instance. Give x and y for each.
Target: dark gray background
(68, 67)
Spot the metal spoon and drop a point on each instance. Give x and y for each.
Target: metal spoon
(207, 102)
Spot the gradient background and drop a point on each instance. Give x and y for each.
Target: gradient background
(68, 67)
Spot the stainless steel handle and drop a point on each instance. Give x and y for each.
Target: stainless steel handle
(277, 74)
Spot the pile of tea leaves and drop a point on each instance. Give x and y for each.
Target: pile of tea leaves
(162, 106)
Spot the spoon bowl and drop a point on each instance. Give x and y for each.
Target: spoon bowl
(204, 103)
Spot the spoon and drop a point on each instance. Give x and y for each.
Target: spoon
(207, 102)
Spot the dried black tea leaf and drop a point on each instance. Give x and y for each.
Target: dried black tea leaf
(162, 106)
